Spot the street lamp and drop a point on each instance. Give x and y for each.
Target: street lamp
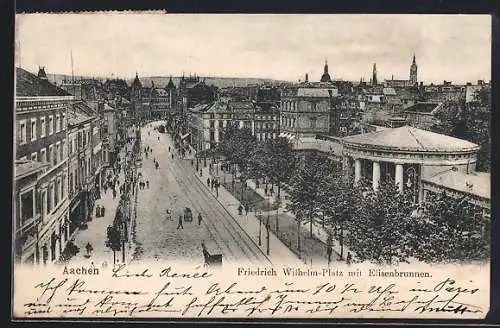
(267, 228)
(259, 216)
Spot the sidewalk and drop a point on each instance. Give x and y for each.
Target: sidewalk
(318, 231)
(279, 253)
(96, 234)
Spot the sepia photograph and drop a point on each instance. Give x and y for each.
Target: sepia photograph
(208, 165)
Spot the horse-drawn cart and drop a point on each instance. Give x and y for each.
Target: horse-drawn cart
(212, 254)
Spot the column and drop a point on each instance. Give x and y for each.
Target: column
(399, 177)
(357, 170)
(376, 175)
(49, 251)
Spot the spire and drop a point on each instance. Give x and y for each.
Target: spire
(325, 77)
(307, 77)
(374, 77)
(414, 61)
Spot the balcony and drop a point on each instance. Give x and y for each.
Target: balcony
(28, 224)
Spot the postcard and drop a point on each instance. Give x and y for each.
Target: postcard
(251, 166)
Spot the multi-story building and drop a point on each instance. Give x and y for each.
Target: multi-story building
(266, 123)
(305, 110)
(85, 161)
(192, 90)
(207, 123)
(343, 115)
(41, 198)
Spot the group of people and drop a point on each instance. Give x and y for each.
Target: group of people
(143, 185)
(213, 183)
(180, 224)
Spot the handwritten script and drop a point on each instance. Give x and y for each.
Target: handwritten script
(123, 292)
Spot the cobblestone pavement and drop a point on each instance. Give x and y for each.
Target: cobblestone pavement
(173, 187)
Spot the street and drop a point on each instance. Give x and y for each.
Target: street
(173, 187)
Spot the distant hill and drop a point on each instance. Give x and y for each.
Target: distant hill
(161, 81)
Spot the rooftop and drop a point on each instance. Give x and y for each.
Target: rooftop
(477, 184)
(313, 93)
(29, 85)
(423, 107)
(410, 139)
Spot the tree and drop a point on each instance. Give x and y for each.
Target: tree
(279, 161)
(339, 200)
(238, 146)
(469, 121)
(305, 187)
(113, 240)
(377, 230)
(448, 229)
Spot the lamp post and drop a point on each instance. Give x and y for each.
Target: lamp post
(267, 229)
(259, 216)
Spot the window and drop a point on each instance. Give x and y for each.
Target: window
(58, 123)
(43, 127)
(22, 131)
(34, 157)
(27, 205)
(51, 125)
(43, 155)
(63, 121)
(50, 198)
(63, 185)
(50, 154)
(63, 150)
(57, 154)
(33, 129)
(56, 192)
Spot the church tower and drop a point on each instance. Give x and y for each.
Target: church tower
(325, 77)
(413, 72)
(374, 79)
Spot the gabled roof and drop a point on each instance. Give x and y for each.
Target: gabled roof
(79, 113)
(410, 139)
(313, 93)
(478, 184)
(423, 107)
(241, 105)
(389, 91)
(29, 85)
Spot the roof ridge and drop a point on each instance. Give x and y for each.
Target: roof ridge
(416, 139)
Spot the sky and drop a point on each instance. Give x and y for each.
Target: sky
(447, 47)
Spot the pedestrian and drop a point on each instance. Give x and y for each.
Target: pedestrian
(89, 248)
(240, 209)
(180, 223)
(97, 211)
(246, 209)
(199, 218)
(114, 193)
(329, 254)
(208, 182)
(172, 156)
(147, 184)
(349, 258)
(169, 149)
(158, 138)
(265, 190)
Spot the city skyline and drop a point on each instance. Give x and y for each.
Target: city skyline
(257, 46)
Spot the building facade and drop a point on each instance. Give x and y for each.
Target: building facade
(42, 227)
